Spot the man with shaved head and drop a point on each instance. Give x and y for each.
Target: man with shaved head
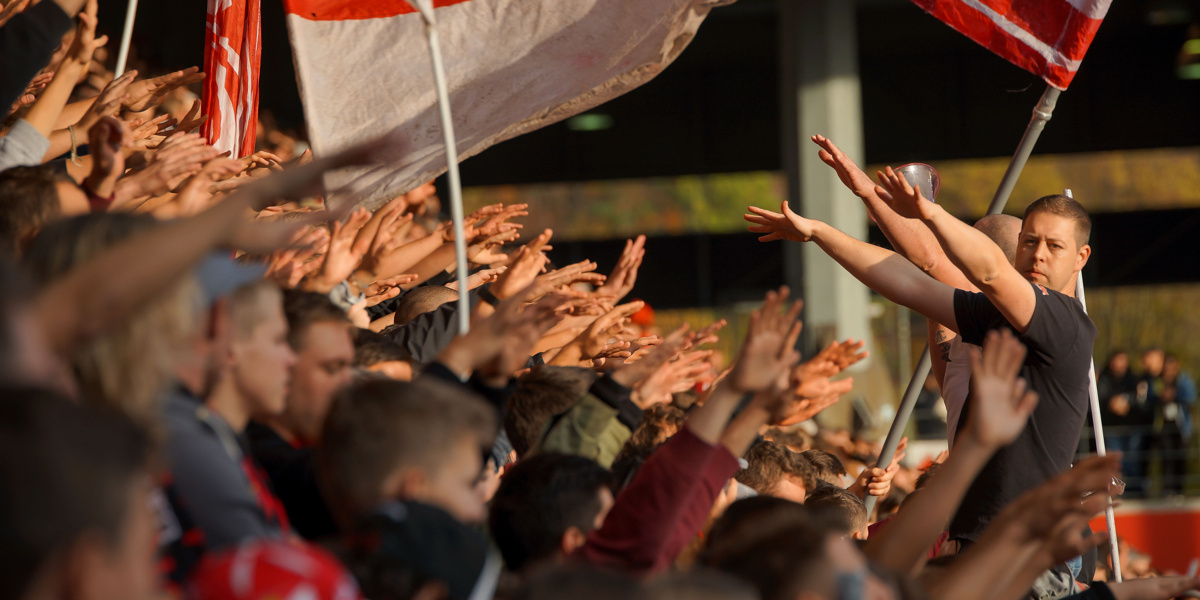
(914, 241)
(1033, 298)
(949, 355)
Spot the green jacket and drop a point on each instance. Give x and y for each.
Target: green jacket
(596, 426)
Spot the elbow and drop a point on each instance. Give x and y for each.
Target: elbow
(987, 277)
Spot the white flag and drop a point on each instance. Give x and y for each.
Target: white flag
(512, 66)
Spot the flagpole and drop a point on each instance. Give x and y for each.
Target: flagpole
(425, 7)
(1041, 114)
(1098, 429)
(126, 37)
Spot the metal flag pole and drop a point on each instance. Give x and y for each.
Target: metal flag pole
(425, 7)
(126, 37)
(1041, 113)
(1098, 429)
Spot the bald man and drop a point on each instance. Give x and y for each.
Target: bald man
(914, 241)
(950, 356)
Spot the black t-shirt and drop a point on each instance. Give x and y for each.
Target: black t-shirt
(1059, 342)
(292, 472)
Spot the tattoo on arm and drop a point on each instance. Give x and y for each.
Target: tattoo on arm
(943, 345)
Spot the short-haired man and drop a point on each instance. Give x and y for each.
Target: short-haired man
(773, 470)
(319, 335)
(1034, 298)
(76, 487)
(848, 507)
(376, 353)
(220, 485)
(546, 506)
(392, 440)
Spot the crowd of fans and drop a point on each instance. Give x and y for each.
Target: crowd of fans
(1148, 416)
(222, 381)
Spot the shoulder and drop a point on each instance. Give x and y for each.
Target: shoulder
(1062, 307)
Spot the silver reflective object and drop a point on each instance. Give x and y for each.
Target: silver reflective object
(923, 177)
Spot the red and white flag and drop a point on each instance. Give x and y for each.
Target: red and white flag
(1045, 37)
(512, 66)
(232, 50)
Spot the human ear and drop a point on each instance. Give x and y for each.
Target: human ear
(1081, 258)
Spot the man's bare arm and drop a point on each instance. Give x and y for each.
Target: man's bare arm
(980, 260)
(881, 270)
(911, 238)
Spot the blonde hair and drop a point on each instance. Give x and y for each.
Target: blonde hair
(129, 367)
(250, 304)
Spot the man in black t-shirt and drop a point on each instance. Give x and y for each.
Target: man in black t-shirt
(1033, 297)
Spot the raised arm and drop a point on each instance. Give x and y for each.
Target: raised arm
(881, 270)
(1000, 408)
(980, 260)
(911, 238)
(109, 287)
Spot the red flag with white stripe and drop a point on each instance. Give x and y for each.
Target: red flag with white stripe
(512, 66)
(1045, 37)
(232, 50)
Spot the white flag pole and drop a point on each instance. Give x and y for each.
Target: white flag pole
(126, 37)
(425, 7)
(1098, 429)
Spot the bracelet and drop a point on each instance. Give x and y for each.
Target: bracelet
(74, 148)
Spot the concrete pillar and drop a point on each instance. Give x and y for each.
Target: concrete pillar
(819, 58)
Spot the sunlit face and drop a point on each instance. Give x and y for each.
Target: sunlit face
(263, 362)
(323, 361)
(1048, 252)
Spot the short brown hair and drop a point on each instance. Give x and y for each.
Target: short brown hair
(306, 308)
(839, 502)
(659, 423)
(828, 468)
(768, 463)
(371, 348)
(541, 393)
(773, 544)
(28, 200)
(251, 303)
(376, 427)
(1060, 205)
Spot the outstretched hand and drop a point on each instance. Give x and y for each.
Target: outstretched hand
(769, 349)
(524, 268)
(852, 177)
(148, 93)
(624, 275)
(785, 225)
